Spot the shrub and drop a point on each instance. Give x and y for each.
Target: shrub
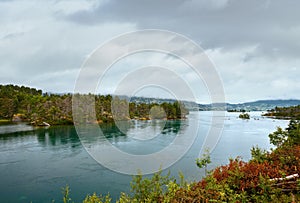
(244, 116)
(255, 181)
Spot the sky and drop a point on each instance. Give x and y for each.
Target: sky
(253, 45)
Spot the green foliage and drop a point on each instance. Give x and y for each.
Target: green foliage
(150, 190)
(4, 121)
(244, 116)
(259, 155)
(66, 194)
(289, 136)
(175, 110)
(157, 112)
(293, 132)
(292, 112)
(97, 199)
(94, 198)
(158, 188)
(240, 181)
(278, 137)
(204, 160)
(124, 198)
(29, 104)
(259, 180)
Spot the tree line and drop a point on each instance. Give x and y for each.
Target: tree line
(292, 112)
(34, 106)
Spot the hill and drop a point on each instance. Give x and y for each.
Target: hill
(261, 105)
(38, 108)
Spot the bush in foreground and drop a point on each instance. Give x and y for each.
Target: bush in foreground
(267, 177)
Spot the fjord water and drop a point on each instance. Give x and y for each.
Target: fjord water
(35, 163)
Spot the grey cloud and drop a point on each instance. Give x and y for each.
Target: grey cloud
(227, 24)
(12, 35)
(254, 44)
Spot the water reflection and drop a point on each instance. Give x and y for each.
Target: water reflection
(58, 135)
(45, 160)
(173, 126)
(134, 136)
(15, 128)
(151, 137)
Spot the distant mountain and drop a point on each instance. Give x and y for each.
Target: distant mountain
(188, 104)
(261, 105)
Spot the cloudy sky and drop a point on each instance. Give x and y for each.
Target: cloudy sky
(254, 45)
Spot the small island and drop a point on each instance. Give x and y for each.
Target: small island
(244, 116)
(236, 110)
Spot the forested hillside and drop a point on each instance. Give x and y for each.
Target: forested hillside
(292, 112)
(32, 105)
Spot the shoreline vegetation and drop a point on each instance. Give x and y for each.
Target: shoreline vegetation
(43, 109)
(270, 176)
(244, 116)
(5, 121)
(25, 104)
(292, 112)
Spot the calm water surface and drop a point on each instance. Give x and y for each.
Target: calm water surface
(36, 163)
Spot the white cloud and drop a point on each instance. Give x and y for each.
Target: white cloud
(34, 44)
(204, 4)
(68, 7)
(254, 44)
(261, 77)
